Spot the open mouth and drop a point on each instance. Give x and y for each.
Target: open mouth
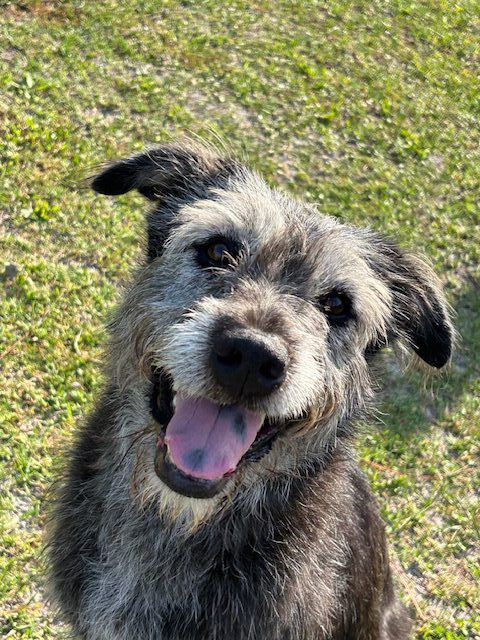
(201, 444)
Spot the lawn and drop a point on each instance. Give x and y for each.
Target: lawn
(371, 109)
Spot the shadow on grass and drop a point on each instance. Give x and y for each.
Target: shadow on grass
(410, 402)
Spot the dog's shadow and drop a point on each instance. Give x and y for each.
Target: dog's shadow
(408, 451)
(410, 402)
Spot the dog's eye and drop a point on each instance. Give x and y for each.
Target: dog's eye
(217, 252)
(336, 306)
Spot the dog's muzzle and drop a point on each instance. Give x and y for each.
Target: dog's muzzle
(202, 444)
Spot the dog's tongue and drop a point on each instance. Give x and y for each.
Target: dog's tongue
(207, 440)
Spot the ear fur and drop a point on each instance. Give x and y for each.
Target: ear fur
(165, 171)
(420, 311)
(169, 175)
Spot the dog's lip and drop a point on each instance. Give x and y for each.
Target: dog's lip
(181, 482)
(162, 406)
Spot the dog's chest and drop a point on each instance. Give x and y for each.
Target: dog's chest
(227, 582)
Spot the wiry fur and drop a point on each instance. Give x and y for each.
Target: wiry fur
(293, 548)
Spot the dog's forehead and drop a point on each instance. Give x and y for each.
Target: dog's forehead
(252, 211)
(275, 227)
(249, 210)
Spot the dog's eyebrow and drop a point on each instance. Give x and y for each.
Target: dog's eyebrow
(338, 287)
(214, 235)
(190, 236)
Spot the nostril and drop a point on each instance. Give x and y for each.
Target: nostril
(231, 358)
(272, 370)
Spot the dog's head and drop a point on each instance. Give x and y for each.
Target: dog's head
(255, 319)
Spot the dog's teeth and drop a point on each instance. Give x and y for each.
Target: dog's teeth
(174, 401)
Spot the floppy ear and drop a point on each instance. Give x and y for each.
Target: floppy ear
(165, 171)
(169, 175)
(420, 311)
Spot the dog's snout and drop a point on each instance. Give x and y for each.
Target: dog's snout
(247, 364)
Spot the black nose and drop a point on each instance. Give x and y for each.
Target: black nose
(248, 364)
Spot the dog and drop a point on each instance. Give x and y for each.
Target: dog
(214, 492)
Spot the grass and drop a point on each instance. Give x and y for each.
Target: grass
(370, 109)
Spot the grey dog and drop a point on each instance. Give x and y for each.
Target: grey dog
(213, 494)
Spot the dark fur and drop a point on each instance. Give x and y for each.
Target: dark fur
(247, 556)
(307, 562)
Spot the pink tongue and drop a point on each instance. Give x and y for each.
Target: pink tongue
(206, 440)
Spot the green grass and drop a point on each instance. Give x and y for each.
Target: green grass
(370, 109)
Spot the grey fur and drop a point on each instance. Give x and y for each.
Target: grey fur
(293, 547)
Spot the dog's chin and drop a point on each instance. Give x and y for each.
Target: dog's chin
(163, 406)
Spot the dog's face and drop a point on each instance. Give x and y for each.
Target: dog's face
(255, 319)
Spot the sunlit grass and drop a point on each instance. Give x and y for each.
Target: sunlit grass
(369, 109)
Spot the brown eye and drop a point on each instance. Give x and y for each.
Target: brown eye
(217, 252)
(336, 306)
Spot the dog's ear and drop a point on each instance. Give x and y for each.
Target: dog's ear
(420, 311)
(165, 171)
(170, 176)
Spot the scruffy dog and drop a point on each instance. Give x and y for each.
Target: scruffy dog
(213, 494)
